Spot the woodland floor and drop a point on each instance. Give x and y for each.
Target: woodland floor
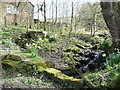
(13, 79)
(54, 51)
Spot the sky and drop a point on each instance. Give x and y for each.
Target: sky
(34, 1)
(64, 6)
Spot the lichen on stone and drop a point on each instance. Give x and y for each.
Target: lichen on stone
(10, 62)
(60, 75)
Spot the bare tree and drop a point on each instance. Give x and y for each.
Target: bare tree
(40, 8)
(38, 13)
(76, 15)
(5, 21)
(63, 18)
(56, 13)
(15, 13)
(97, 9)
(44, 3)
(52, 15)
(71, 26)
(52, 10)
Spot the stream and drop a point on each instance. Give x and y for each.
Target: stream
(89, 59)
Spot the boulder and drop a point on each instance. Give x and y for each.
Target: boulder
(2, 57)
(13, 57)
(29, 38)
(49, 64)
(9, 61)
(10, 57)
(62, 78)
(26, 66)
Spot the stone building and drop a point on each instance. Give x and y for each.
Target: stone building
(17, 13)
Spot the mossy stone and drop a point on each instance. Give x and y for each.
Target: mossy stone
(41, 64)
(40, 68)
(10, 62)
(2, 57)
(80, 46)
(74, 49)
(13, 57)
(60, 77)
(10, 57)
(49, 64)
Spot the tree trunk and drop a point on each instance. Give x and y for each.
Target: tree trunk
(15, 14)
(55, 23)
(52, 25)
(44, 15)
(71, 26)
(38, 23)
(95, 24)
(5, 21)
(15, 19)
(111, 14)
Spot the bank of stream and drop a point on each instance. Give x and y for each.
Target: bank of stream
(70, 57)
(73, 55)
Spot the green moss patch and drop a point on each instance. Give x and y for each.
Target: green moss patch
(10, 57)
(10, 62)
(60, 77)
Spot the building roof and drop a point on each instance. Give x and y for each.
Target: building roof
(31, 3)
(18, 2)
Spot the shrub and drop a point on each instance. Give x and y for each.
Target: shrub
(33, 50)
(106, 44)
(113, 58)
(7, 43)
(53, 39)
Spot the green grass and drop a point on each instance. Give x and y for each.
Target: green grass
(29, 82)
(98, 78)
(113, 59)
(111, 71)
(36, 59)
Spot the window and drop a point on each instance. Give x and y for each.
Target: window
(11, 9)
(14, 10)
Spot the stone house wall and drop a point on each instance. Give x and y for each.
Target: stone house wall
(20, 14)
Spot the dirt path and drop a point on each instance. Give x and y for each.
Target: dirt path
(56, 55)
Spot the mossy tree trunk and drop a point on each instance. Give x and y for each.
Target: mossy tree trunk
(111, 14)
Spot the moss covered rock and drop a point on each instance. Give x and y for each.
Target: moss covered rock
(10, 57)
(60, 77)
(74, 49)
(29, 37)
(40, 68)
(13, 57)
(2, 57)
(39, 65)
(96, 46)
(80, 46)
(49, 64)
(9, 61)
